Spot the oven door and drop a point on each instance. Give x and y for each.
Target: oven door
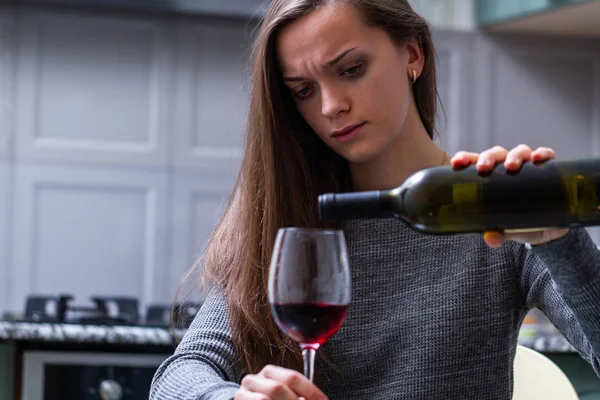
(49, 375)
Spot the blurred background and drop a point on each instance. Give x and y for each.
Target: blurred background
(121, 123)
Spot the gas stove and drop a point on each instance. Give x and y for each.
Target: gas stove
(106, 348)
(107, 311)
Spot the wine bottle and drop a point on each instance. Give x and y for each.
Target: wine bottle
(443, 200)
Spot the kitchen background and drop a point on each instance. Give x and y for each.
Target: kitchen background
(121, 124)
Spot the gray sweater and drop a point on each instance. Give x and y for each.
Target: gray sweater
(432, 317)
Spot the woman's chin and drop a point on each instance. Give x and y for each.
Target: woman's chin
(357, 156)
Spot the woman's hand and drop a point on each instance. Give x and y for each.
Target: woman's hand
(276, 383)
(512, 160)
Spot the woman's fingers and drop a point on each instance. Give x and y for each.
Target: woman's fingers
(294, 380)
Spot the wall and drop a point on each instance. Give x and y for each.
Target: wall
(120, 138)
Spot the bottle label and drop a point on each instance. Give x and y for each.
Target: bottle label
(464, 193)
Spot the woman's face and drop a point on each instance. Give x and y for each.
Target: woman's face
(343, 74)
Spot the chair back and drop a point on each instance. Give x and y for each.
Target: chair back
(538, 377)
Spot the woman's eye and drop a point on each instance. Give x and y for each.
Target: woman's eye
(354, 70)
(302, 93)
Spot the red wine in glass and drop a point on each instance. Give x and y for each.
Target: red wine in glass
(310, 324)
(309, 287)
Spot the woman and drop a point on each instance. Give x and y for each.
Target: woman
(343, 98)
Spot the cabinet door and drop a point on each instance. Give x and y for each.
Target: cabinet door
(211, 93)
(88, 231)
(199, 199)
(93, 89)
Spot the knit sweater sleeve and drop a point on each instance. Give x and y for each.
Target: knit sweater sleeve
(562, 278)
(204, 365)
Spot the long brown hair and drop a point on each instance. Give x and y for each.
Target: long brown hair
(284, 169)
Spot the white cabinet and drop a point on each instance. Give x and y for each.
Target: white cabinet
(124, 134)
(93, 89)
(89, 231)
(198, 201)
(211, 94)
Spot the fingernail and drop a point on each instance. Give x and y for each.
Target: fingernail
(512, 160)
(493, 239)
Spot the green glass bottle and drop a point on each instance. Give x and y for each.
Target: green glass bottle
(442, 200)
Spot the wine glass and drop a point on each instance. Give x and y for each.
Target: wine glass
(309, 287)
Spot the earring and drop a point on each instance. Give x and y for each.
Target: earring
(414, 76)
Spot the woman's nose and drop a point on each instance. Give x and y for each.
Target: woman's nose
(333, 102)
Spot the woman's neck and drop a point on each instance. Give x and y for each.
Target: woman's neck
(412, 151)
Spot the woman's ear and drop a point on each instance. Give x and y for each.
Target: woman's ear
(416, 58)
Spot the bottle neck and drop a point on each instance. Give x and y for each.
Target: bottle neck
(370, 204)
(391, 203)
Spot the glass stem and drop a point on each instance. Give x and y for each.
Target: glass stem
(308, 354)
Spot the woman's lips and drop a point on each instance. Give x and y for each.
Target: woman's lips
(348, 135)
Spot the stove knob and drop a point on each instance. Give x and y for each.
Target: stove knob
(110, 390)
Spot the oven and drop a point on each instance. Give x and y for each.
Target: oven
(61, 375)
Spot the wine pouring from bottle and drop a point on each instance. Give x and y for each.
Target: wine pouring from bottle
(443, 200)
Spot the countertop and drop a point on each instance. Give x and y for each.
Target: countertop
(93, 334)
(163, 336)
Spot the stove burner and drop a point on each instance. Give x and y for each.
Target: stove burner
(108, 310)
